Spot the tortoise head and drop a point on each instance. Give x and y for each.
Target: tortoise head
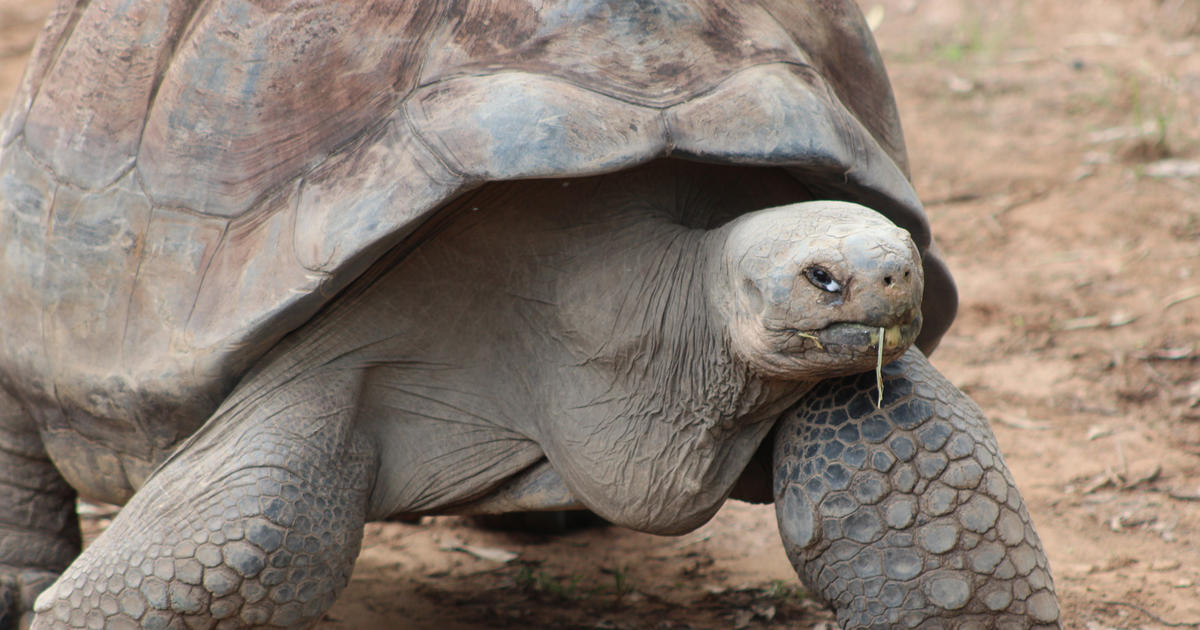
(811, 290)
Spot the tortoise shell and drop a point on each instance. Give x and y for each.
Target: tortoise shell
(183, 182)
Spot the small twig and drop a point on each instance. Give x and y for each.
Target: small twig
(1153, 617)
(1181, 299)
(811, 337)
(1090, 322)
(1117, 480)
(879, 369)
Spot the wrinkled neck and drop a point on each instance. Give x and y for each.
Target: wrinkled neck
(656, 324)
(664, 412)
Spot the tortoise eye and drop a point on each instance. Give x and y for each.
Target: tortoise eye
(822, 279)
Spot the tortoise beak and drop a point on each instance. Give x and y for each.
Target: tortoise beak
(857, 338)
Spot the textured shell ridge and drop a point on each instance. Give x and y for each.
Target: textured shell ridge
(281, 182)
(46, 49)
(292, 86)
(620, 49)
(89, 131)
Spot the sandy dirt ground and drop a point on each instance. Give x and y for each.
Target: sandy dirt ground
(1057, 147)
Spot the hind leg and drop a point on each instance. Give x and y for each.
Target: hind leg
(39, 532)
(255, 522)
(907, 516)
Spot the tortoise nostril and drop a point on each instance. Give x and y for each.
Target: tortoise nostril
(899, 277)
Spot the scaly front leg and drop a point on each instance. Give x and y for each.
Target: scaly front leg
(906, 516)
(255, 522)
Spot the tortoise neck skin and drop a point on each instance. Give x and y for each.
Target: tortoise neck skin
(667, 416)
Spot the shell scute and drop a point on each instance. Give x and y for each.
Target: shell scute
(26, 196)
(179, 247)
(92, 254)
(256, 94)
(516, 125)
(368, 196)
(256, 256)
(88, 131)
(842, 51)
(653, 54)
(787, 114)
(27, 189)
(54, 34)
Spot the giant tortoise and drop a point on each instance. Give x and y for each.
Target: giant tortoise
(274, 269)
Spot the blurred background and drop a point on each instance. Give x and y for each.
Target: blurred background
(1057, 148)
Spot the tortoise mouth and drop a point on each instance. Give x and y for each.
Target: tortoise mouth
(856, 337)
(853, 342)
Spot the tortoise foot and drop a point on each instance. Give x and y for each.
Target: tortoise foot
(906, 515)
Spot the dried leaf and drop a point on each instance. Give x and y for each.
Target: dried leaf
(1117, 319)
(1127, 520)
(494, 554)
(1081, 323)
(1173, 354)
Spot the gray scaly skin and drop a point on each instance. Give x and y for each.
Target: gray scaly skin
(270, 547)
(906, 515)
(40, 536)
